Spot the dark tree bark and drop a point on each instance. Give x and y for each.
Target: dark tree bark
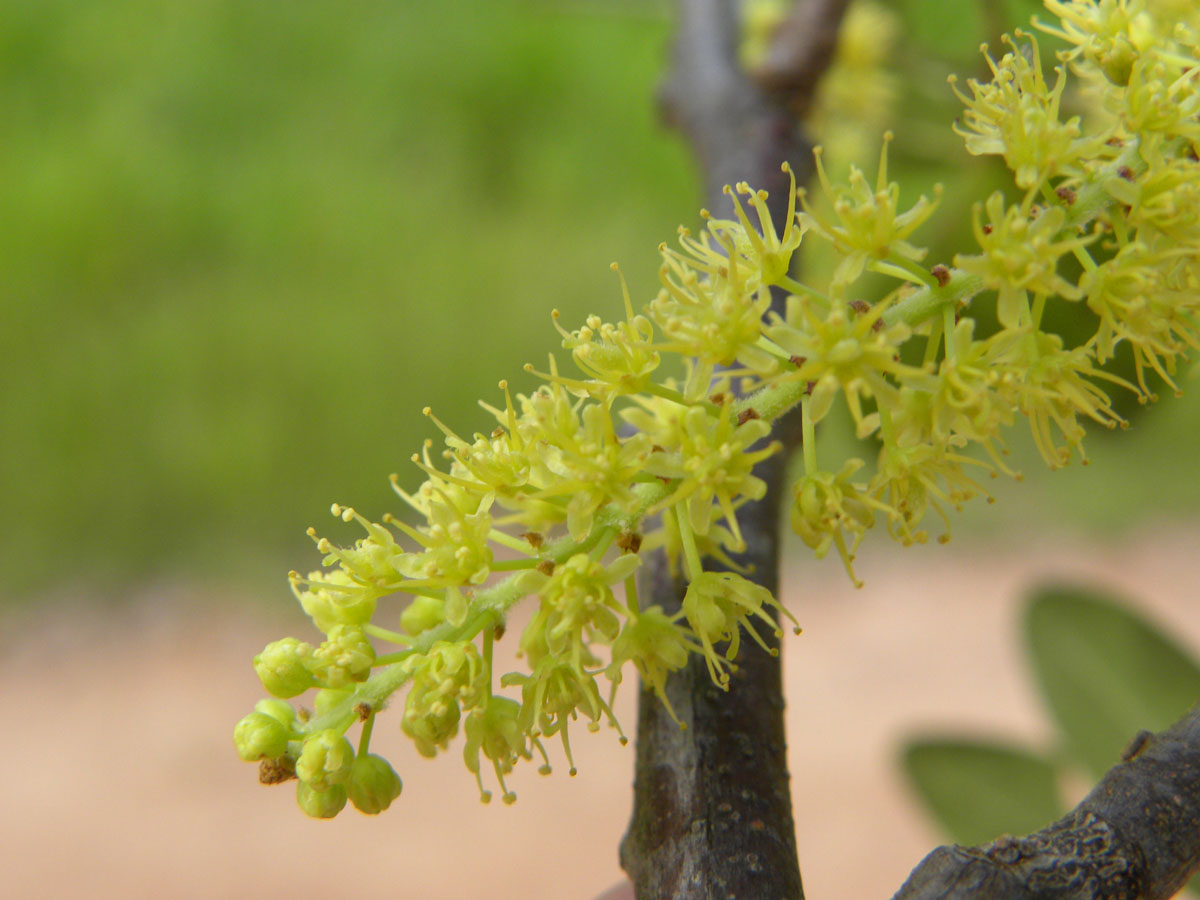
(712, 813)
(1136, 836)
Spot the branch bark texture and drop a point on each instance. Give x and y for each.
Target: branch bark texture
(712, 813)
(1136, 836)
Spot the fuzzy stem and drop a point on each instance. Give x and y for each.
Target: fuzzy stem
(809, 441)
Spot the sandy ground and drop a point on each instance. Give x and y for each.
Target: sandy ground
(118, 778)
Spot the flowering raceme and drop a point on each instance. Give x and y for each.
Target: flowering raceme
(561, 496)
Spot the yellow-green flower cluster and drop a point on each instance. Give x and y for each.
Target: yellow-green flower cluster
(557, 501)
(566, 489)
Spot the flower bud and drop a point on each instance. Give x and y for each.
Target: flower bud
(422, 614)
(281, 667)
(372, 785)
(259, 736)
(325, 760)
(320, 804)
(278, 710)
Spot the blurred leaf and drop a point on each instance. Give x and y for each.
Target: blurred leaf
(1105, 672)
(978, 791)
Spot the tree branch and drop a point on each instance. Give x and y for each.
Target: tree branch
(1136, 835)
(801, 51)
(712, 810)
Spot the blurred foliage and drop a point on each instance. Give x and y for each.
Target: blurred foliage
(243, 243)
(1105, 674)
(977, 790)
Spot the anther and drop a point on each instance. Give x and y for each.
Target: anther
(942, 274)
(629, 541)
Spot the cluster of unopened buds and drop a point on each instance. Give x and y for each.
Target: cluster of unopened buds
(567, 488)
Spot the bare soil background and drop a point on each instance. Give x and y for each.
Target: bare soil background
(118, 777)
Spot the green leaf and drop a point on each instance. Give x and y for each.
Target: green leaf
(979, 790)
(1105, 672)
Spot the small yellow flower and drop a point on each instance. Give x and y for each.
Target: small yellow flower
(494, 731)
(714, 467)
(619, 357)
(718, 605)
(1020, 256)
(1016, 115)
(828, 508)
(1052, 387)
(866, 225)
(842, 349)
(656, 644)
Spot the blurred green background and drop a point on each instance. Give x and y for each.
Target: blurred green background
(242, 244)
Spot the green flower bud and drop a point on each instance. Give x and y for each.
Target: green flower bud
(320, 804)
(422, 614)
(278, 710)
(325, 760)
(372, 785)
(282, 669)
(259, 736)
